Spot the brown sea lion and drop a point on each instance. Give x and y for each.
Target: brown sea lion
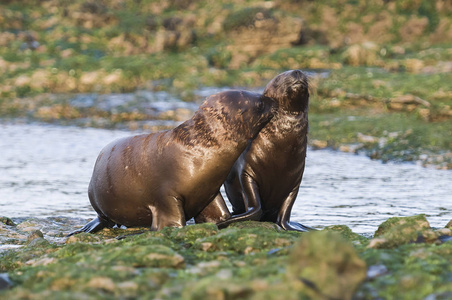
(166, 178)
(263, 183)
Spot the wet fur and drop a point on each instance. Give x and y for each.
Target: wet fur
(165, 178)
(264, 181)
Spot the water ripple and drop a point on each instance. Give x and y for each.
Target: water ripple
(45, 171)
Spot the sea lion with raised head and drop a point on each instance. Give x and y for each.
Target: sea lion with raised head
(166, 178)
(264, 181)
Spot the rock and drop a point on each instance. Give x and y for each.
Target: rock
(34, 235)
(102, 283)
(398, 231)
(9, 222)
(328, 266)
(38, 242)
(255, 31)
(30, 225)
(255, 224)
(191, 233)
(213, 289)
(449, 225)
(4, 281)
(317, 144)
(375, 271)
(361, 54)
(246, 241)
(419, 222)
(84, 238)
(137, 255)
(348, 234)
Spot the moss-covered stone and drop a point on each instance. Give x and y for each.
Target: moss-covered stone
(327, 264)
(449, 224)
(7, 221)
(348, 234)
(419, 222)
(255, 224)
(190, 234)
(398, 231)
(215, 288)
(246, 241)
(257, 261)
(83, 238)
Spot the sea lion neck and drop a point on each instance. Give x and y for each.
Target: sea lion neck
(207, 129)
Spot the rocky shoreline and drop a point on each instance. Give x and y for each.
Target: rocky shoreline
(405, 259)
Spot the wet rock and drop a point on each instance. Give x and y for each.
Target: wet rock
(34, 235)
(327, 265)
(449, 224)
(84, 238)
(348, 234)
(398, 231)
(419, 222)
(7, 221)
(191, 233)
(376, 271)
(255, 224)
(213, 289)
(157, 256)
(245, 241)
(4, 281)
(38, 242)
(30, 225)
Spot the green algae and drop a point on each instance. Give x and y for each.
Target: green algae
(348, 234)
(7, 221)
(419, 222)
(327, 264)
(249, 260)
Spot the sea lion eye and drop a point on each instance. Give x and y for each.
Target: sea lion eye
(260, 106)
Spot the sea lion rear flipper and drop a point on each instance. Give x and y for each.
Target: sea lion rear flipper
(93, 226)
(215, 212)
(283, 218)
(299, 227)
(252, 201)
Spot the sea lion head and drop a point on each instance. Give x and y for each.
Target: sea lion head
(239, 112)
(290, 90)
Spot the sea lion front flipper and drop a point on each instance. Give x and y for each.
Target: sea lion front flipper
(299, 227)
(283, 218)
(168, 213)
(93, 226)
(252, 202)
(215, 212)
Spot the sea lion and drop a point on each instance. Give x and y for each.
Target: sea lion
(264, 181)
(166, 178)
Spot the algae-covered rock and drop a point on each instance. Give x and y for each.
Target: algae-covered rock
(349, 235)
(213, 289)
(7, 221)
(83, 238)
(327, 264)
(157, 256)
(255, 224)
(245, 241)
(419, 222)
(4, 281)
(449, 225)
(397, 231)
(189, 234)
(34, 235)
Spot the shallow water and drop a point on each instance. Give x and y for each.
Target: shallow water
(45, 171)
